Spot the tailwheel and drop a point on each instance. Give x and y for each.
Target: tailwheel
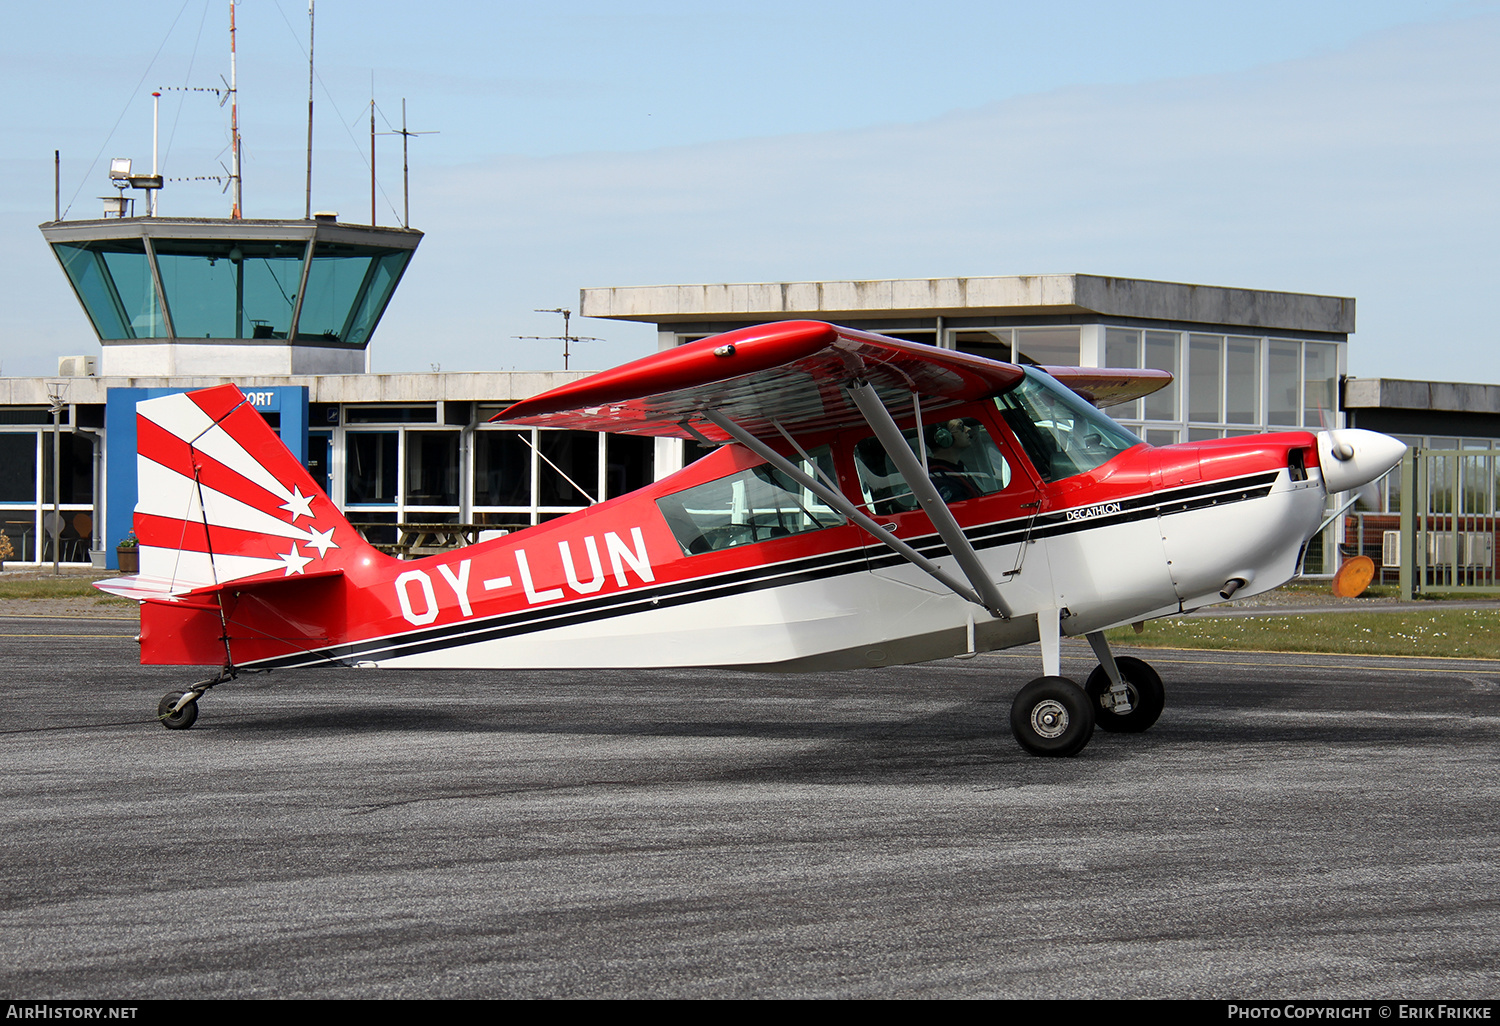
(173, 718)
(1144, 687)
(1052, 716)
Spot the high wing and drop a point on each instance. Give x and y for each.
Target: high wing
(800, 377)
(790, 373)
(1109, 386)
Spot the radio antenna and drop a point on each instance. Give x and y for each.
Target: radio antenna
(566, 338)
(308, 214)
(234, 126)
(405, 166)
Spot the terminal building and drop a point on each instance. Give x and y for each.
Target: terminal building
(287, 310)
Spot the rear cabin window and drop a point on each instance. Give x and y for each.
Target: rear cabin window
(750, 506)
(963, 462)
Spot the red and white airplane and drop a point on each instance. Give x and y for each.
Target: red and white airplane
(870, 502)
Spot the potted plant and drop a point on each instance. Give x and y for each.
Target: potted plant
(128, 554)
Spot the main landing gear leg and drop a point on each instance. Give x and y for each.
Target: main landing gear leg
(178, 710)
(1052, 715)
(1126, 694)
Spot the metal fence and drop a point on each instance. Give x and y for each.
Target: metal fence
(1444, 540)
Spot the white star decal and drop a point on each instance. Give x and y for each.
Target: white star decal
(298, 505)
(294, 560)
(322, 541)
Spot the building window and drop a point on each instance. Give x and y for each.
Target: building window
(229, 288)
(18, 467)
(524, 476)
(370, 468)
(569, 471)
(1283, 382)
(413, 413)
(991, 343)
(1056, 347)
(1205, 378)
(1320, 380)
(630, 463)
(1162, 353)
(1242, 380)
(1122, 348)
(502, 469)
(113, 280)
(26, 476)
(431, 468)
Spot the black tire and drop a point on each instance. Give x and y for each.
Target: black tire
(183, 718)
(1052, 716)
(1147, 697)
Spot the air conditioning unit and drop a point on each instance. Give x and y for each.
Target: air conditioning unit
(1478, 548)
(1390, 549)
(77, 366)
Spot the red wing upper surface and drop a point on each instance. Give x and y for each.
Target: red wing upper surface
(789, 373)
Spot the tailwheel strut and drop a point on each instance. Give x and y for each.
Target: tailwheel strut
(178, 710)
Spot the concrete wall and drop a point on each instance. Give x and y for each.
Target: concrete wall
(1437, 396)
(325, 388)
(176, 358)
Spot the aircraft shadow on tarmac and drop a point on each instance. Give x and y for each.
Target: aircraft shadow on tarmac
(899, 720)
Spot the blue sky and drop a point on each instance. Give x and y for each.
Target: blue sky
(1332, 147)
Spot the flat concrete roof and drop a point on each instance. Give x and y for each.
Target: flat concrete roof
(260, 229)
(456, 386)
(1046, 295)
(1438, 396)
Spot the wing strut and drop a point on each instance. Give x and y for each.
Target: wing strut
(881, 422)
(848, 509)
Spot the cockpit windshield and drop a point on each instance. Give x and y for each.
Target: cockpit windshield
(1061, 432)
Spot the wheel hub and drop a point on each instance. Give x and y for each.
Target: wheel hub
(1049, 718)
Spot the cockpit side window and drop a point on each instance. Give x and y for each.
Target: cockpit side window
(748, 506)
(963, 462)
(1062, 433)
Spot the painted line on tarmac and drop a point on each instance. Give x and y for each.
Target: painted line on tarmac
(65, 616)
(67, 635)
(1446, 661)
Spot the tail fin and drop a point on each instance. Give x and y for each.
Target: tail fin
(221, 499)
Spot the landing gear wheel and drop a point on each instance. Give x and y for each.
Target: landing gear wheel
(183, 718)
(1147, 697)
(1052, 716)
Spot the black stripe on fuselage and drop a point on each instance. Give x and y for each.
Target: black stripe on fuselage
(796, 571)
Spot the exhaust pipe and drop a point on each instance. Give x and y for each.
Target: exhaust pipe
(1231, 586)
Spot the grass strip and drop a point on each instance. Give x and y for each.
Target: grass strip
(1452, 633)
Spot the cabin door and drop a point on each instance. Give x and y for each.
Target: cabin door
(973, 462)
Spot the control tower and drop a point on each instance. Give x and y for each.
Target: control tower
(204, 296)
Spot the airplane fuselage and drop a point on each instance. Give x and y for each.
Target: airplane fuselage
(1149, 533)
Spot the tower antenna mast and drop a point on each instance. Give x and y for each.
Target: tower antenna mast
(405, 166)
(308, 214)
(234, 125)
(566, 338)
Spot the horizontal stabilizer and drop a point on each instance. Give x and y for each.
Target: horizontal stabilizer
(142, 588)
